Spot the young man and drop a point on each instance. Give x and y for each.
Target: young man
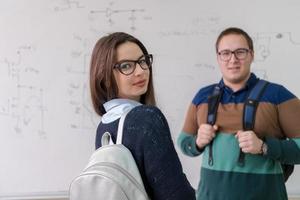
(259, 174)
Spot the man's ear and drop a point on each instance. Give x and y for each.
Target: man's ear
(252, 55)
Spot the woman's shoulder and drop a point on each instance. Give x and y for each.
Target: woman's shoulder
(146, 111)
(147, 116)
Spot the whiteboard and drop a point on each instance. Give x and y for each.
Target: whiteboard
(46, 119)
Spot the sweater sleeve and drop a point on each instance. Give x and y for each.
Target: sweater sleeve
(163, 169)
(286, 151)
(187, 144)
(187, 137)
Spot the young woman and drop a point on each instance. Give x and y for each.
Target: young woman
(121, 79)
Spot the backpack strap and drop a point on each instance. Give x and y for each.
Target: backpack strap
(251, 104)
(106, 138)
(213, 103)
(121, 126)
(250, 107)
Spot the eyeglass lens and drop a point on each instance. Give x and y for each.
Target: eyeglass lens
(128, 67)
(240, 54)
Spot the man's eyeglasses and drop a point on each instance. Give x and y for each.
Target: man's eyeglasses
(127, 67)
(239, 54)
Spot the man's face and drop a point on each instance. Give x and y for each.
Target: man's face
(235, 71)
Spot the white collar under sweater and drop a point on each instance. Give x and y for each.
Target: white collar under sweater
(116, 107)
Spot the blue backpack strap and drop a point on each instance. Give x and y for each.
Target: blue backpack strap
(250, 107)
(213, 102)
(251, 104)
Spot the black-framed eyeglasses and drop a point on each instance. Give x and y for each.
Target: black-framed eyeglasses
(239, 54)
(127, 67)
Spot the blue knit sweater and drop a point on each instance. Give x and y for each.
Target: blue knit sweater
(147, 135)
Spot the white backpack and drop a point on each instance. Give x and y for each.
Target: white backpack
(111, 173)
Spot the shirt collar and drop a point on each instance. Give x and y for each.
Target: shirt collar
(249, 84)
(251, 81)
(116, 107)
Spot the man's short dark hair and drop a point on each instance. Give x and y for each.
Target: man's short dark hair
(236, 31)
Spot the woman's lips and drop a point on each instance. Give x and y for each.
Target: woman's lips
(140, 83)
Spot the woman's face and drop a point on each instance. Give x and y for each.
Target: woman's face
(134, 85)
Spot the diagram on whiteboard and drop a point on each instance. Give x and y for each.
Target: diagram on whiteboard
(263, 42)
(23, 103)
(113, 15)
(78, 88)
(64, 5)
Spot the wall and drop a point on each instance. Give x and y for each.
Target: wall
(46, 120)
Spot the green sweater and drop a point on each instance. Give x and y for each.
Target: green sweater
(260, 177)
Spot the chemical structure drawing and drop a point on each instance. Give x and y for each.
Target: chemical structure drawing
(83, 114)
(78, 56)
(110, 14)
(263, 42)
(262, 48)
(23, 101)
(261, 73)
(78, 89)
(290, 38)
(207, 66)
(68, 5)
(198, 26)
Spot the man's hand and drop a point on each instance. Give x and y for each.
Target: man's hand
(205, 135)
(249, 142)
